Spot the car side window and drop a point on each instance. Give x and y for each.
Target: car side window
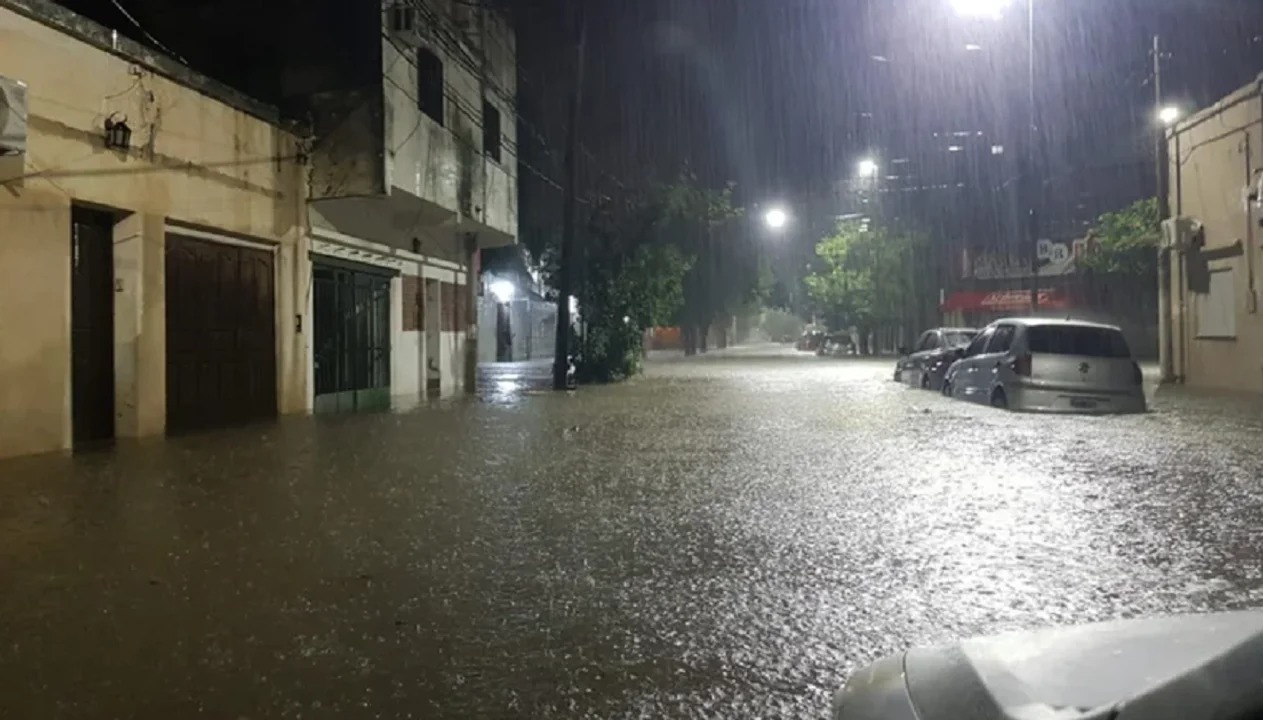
(980, 342)
(1001, 339)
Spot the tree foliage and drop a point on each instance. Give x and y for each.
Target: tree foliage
(1125, 241)
(640, 253)
(638, 265)
(864, 276)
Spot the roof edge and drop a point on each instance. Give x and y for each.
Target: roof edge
(89, 31)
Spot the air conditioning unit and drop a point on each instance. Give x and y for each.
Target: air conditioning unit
(12, 117)
(1181, 233)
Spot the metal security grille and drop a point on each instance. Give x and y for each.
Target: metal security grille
(352, 338)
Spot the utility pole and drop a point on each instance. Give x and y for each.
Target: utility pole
(1032, 181)
(1162, 170)
(561, 357)
(1160, 137)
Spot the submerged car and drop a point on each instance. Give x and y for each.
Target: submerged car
(1049, 366)
(837, 345)
(927, 362)
(810, 341)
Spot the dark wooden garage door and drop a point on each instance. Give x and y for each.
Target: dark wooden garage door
(221, 335)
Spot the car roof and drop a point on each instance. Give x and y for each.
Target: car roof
(956, 329)
(1055, 322)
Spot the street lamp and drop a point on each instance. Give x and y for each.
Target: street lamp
(1169, 115)
(775, 218)
(502, 290)
(868, 168)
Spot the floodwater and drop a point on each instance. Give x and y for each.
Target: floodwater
(723, 537)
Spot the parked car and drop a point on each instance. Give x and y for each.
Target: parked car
(1049, 366)
(926, 363)
(810, 341)
(836, 345)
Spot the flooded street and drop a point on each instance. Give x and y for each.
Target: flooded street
(723, 537)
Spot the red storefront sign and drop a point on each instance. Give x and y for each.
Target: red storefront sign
(1003, 301)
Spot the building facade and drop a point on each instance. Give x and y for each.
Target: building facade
(151, 242)
(1211, 330)
(175, 256)
(413, 174)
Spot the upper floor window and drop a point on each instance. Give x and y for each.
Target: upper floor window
(430, 84)
(490, 130)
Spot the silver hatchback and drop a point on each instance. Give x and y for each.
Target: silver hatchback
(1049, 366)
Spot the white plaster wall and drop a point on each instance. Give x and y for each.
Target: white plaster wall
(408, 371)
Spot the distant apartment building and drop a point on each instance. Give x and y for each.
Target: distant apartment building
(175, 256)
(1211, 329)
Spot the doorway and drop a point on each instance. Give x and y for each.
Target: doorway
(351, 305)
(92, 327)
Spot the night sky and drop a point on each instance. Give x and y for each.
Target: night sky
(781, 96)
(784, 96)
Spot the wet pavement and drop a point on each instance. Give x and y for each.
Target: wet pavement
(724, 537)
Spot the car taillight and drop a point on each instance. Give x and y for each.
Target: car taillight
(1022, 365)
(1137, 376)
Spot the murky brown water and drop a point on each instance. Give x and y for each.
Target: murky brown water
(722, 538)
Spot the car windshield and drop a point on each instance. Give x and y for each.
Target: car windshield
(1078, 340)
(958, 338)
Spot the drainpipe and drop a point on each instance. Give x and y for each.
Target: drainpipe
(1180, 267)
(1252, 299)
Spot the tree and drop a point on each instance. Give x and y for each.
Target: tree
(1125, 241)
(866, 277)
(701, 222)
(631, 278)
(651, 257)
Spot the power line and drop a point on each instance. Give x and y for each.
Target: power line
(145, 32)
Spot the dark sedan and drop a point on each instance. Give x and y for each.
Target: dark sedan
(926, 364)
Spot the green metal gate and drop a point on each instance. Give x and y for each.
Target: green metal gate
(352, 336)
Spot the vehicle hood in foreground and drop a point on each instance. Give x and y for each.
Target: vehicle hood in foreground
(1192, 666)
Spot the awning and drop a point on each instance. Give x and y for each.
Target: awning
(1000, 301)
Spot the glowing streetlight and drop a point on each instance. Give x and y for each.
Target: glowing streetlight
(775, 218)
(1169, 115)
(868, 168)
(980, 8)
(503, 290)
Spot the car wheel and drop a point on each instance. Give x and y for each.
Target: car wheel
(925, 381)
(946, 389)
(999, 399)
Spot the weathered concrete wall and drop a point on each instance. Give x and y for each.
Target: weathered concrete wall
(444, 163)
(194, 159)
(1214, 156)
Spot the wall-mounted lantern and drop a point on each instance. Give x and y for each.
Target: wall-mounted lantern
(117, 135)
